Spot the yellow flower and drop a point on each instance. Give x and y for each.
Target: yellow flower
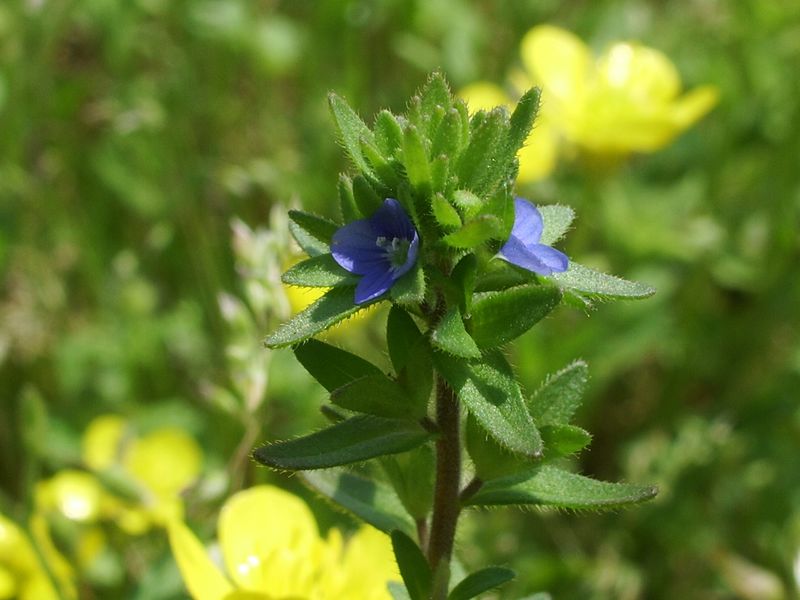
(22, 575)
(626, 100)
(272, 550)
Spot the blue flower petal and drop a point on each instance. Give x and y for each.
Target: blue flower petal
(538, 258)
(373, 284)
(391, 221)
(411, 258)
(528, 223)
(353, 247)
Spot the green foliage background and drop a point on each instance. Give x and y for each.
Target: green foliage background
(132, 132)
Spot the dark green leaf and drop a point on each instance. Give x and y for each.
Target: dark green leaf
(355, 440)
(371, 501)
(410, 288)
(335, 306)
(351, 130)
(413, 566)
(597, 285)
(402, 334)
(312, 233)
(490, 392)
(478, 167)
(451, 336)
(501, 206)
(557, 220)
(556, 401)
(318, 271)
(481, 581)
(412, 476)
(550, 486)
(378, 395)
(463, 277)
(366, 198)
(332, 366)
(499, 317)
(382, 167)
(467, 202)
(490, 459)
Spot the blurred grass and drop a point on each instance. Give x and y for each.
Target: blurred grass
(132, 132)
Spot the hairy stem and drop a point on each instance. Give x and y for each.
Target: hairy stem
(446, 504)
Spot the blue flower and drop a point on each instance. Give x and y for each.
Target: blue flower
(523, 248)
(382, 248)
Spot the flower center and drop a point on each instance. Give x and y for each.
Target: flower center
(396, 249)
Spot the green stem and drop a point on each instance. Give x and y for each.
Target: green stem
(446, 505)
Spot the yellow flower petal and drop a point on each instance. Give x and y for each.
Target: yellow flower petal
(557, 60)
(267, 535)
(165, 461)
(694, 105)
(75, 494)
(8, 585)
(368, 564)
(59, 567)
(301, 298)
(201, 576)
(100, 444)
(537, 158)
(483, 95)
(16, 552)
(643, 75)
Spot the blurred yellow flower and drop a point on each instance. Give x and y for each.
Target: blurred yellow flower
(626, 100)
(272, 550)
(137, 480)
(22, 574)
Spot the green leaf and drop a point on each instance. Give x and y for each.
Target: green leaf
(501, 207)
(332, 366)
(412, 475)
(351, 130)
(490, 392)
(463, 277)
(371, 501)
(409, 290)
(447, 139)
(413, 566)
(446, 216)
(366, 198)
(474, 232)
(478, 168)
(556, 401)
(335, 306)
(467, 202)
(347, 201)
(318, 271)
(597, 285)
(402, 334)
(557, 220)
(355, 440)
(415, 160)
(521, 122)
(550, 486)
(463, 111)
(491, 460)
(312, 233)
(383, 169)
(481, 581)
(499, 317)
(378, 395)
(451, 336)
(388, 133)
(563, 440)
(434, 95)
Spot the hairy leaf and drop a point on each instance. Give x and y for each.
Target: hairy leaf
(451, 336)
(597, 285)
(413, 566)
(475, 232)
(556, 401)
(351, 130)
(319, 271)
(557, 220)
(311, 232)
(481, 581)
(410, 288)
(332, 366)
(378, 395)
(499, 317)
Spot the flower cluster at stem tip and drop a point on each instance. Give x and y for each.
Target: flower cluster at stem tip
(384, 247)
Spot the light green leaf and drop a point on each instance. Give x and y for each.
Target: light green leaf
(451, 336)
(446, 216)
(318, 271)
(521, 122)
(556, 401)
(366, 198)
(463, 277)
(481, 581)
(557, 220)
(347, 201)
(312, 233)
(490, 392)
(351, 130)
(550, 486)
(597, 285)
(415, 160)
(388, 133)
(447, 140)
(475, 232)
(410, 288)
(478, 167)
(413, 566)
(355, 440)
(412, 475)
(335, 306)
(467, 202)
(371, 501)
(499, 317)
(490, 459)
(563, 440)
(332, 366)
